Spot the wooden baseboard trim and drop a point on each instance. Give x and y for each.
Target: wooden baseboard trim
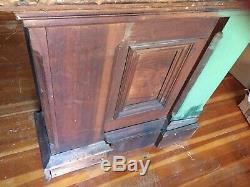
(42, 138)
(178, 131)
(19, 108)
(117, 141)
(181, 123)
(72, 160)
(133, 137)
(76, 159)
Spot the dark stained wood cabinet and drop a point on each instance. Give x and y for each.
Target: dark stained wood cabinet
(151, 66)
(109, 82)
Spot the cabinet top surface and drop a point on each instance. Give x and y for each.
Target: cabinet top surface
(48, 5)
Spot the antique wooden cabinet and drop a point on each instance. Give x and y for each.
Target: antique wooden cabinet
(108, 77)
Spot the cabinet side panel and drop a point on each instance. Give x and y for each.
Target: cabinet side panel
(40, 59)
(77, 55)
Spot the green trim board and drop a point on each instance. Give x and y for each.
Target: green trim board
(236, 36)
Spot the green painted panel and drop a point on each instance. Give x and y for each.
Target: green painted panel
(236, 36)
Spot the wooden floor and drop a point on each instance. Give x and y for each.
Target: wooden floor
(217, 155)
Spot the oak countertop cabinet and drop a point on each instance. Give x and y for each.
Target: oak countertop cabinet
(112, 73)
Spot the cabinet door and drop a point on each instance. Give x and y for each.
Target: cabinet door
(151, 66)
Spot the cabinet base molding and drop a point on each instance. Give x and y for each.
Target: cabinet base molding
(177, 131)
(76, 159)
(68, 161)
(129, 138)
(117, 141)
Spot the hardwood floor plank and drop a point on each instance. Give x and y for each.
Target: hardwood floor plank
(158, 153)
(21, 163)
(19, 108)
(230, 88)
(239, 167)
(183, 155)
(17, 134)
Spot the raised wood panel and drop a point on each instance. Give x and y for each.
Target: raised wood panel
(149, 75)
(120, 113)
(141, 91)
(152, 66)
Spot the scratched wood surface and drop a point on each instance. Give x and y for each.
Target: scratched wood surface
(217, 155)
